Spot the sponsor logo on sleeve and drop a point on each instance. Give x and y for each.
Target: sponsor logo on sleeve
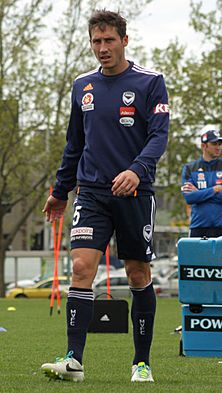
(87, 102)
(161, 108)
(128, 97)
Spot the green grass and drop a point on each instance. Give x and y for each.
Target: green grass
(33, 337)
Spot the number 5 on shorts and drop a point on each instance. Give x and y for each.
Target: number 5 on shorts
(76, 215)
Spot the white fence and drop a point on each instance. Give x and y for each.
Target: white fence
(21, 265)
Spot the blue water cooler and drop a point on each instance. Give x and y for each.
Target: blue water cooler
(200, 292)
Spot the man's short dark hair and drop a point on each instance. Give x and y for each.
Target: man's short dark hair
(102, 18)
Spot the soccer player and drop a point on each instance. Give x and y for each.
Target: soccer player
(202, 187)
(117, 132)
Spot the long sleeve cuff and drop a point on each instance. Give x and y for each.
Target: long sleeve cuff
(139, 169)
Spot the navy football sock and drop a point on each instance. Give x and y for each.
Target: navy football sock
(79, 311)
(142, 314)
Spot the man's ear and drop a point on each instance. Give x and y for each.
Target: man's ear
(125, 40)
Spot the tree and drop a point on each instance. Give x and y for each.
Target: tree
(20, 86)
(35, 98)
(195, 95)
(203, 98)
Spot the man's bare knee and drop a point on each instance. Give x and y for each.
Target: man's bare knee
(80, 270)
(85, 264)
(138, 273)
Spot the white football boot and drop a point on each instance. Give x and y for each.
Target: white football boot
(66, 368)
(141, 373)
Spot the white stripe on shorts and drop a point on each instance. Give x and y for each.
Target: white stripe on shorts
(153, 210)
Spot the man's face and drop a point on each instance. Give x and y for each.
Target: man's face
(108, 48)
(212, 150)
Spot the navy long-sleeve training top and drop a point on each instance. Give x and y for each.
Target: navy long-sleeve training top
(117, 122)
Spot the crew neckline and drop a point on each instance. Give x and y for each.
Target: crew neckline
(117, 75)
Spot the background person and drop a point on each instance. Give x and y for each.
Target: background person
(202, 187)
(117, 132)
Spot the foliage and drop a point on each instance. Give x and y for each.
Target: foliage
(22, 114)
(35, 87)
(195, 95)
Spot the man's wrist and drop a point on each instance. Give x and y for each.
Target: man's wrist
(139, 169)
(62, 195)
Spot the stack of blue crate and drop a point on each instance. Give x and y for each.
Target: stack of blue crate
(200, 292)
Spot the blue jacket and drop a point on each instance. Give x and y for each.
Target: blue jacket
(116, 123)
(206, 208)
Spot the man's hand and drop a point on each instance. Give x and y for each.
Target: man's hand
(188, 187)
(54, 208)
(125, 183)
(217, 188)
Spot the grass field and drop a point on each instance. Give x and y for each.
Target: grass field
(33, 337)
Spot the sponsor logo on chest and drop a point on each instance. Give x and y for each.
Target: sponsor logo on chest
(87, 102)
(128, 97)
(126, 121)
(127, 111)
(201, 181)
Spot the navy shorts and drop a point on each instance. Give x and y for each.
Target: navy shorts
(97, 214)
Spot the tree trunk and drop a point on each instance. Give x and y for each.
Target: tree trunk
(2, 260)
(5, 243)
